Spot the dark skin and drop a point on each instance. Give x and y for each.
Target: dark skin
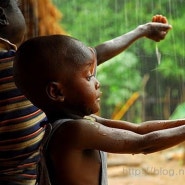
(155, 30)
(12, 23)
(85, 138)
(72, 91)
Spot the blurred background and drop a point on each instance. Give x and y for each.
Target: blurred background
(145, 82)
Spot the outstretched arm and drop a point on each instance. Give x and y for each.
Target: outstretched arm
(142, 128)
(92, 135)
(155, 30)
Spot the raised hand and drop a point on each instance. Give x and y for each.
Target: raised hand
(157, 29)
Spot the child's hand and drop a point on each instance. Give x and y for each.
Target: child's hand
(95, 118)
(157, 29)
(159, 18)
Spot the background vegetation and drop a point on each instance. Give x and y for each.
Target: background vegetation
(158, 79)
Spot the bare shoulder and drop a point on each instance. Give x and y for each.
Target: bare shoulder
(69, 151)
(76, 125)
(75, 132)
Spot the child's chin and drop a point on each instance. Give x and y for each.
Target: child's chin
(96, 110)
(92, 111)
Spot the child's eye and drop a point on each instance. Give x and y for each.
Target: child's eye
(89, 77)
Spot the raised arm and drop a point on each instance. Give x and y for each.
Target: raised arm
(155, 31)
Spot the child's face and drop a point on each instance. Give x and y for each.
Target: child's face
(82, 94)
(12, 23)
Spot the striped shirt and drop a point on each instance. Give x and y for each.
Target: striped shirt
(20, 130)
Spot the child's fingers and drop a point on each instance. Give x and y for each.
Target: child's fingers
(159, 18)
(162, 27)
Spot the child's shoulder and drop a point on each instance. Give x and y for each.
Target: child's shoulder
(73, 128)
(71, 132)
(70, 124)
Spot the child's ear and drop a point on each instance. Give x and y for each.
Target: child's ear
(54, 91)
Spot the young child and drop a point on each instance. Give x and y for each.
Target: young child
(20, 130)
(57, 73)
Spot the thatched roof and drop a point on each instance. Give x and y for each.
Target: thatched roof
(42, 17)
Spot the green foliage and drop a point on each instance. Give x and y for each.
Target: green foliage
(99, 20)
(120, 78)
(172, 71)
(179, 112)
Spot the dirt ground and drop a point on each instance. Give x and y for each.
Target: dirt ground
(161, 168)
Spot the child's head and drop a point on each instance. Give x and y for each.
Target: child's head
(12, 23)
(57, 74)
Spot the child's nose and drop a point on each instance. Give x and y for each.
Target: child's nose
(97, 84)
